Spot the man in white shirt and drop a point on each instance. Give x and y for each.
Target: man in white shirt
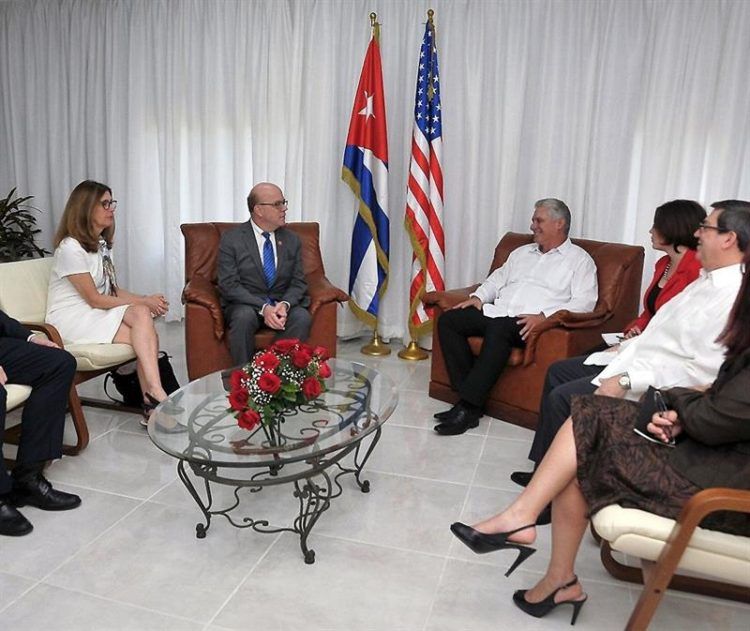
(536, 281)
(679, 346)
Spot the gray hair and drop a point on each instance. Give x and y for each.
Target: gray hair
(735, 217)
(557, 210)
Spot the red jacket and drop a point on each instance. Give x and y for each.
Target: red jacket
(687, 271)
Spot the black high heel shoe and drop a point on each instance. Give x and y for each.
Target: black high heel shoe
(169, 407)
(543, 607)
(170, 410)
(481, 543)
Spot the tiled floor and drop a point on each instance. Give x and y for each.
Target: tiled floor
(129, 559)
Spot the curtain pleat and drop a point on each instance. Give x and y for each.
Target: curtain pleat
(181, 105)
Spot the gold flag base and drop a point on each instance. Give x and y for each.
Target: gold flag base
(413, 353)
(376, 348)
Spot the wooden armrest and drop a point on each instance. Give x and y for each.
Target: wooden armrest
(446, 299)
(693, 512)
(202, 292)
(322, 291)
(709, 501)
(50, 331)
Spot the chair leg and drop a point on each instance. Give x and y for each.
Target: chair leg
(79, 422)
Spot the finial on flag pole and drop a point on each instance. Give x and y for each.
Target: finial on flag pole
(430, 13)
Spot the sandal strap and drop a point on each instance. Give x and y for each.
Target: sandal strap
(513, 532)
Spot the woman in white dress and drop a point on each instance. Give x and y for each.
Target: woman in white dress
(85, 303)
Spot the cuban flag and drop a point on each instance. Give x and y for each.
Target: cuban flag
(365, 170)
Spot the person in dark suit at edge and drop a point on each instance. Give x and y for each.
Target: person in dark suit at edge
(27, 359)
(260, 277)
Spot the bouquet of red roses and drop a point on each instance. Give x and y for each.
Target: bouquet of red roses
(286, 374)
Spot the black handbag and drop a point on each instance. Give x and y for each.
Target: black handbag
(125, 380)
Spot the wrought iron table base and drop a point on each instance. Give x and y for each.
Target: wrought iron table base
(313, 488)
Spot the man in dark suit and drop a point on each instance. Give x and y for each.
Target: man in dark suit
(260, 276)
(26, 359)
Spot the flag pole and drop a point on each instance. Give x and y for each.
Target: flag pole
(413, 352)
(377, 347)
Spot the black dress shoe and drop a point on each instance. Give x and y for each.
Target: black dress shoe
(12, 523)
(521, 478)
(462, 421)
(36, 491)
(545, 517)
(446, 414)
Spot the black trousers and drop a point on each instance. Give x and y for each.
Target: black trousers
(49, 372)
(244, 322)
(471, 377)
(564, 379)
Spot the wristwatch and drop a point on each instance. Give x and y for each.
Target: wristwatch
(624, 381)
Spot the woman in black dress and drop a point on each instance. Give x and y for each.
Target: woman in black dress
(597, 459)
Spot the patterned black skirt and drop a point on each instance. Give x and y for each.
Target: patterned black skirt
(617, 466)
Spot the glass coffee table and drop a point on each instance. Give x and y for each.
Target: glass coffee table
(309, 448)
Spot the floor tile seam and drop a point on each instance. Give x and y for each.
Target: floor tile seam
(513, 440)
(107, 599)
(703, 598)
(94, 540)
(431, 430)
(52, 478)
(415, 477)
(511, 488)
(375, 544)
(613, 582)
(436, 592)
(243, 580)
(35, 582)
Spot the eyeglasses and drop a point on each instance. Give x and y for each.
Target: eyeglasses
(707, 226)
(109, 204)
(277, 205)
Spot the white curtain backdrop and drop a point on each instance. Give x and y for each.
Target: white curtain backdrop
(181, 105)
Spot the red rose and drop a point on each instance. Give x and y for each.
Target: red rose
(301, 358)
(311, 388)
(267, 360)
(284, 346)
(238, 399)
(235, 379)
(269, 382)
(248, 419)
(321, 352)
(324, 371)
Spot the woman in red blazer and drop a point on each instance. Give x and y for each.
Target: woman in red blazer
(673, 233)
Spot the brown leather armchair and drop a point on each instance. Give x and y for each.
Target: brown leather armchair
(515, 397)
(206, 345)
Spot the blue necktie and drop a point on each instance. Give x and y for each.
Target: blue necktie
(269, 265)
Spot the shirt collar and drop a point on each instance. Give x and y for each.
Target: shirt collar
(562, 248)
(258, 230)
(724, 275)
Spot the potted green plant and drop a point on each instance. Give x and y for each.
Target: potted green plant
(18, 229)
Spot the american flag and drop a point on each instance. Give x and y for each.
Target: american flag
(424, 196)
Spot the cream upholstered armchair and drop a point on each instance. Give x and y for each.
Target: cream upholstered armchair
(23, 296)
(722, 560)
